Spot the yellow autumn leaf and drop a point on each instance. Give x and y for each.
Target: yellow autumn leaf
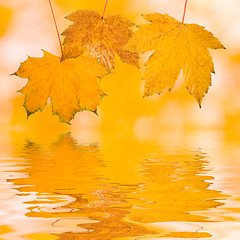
(98, 37)
(177, 46)
(71, 85)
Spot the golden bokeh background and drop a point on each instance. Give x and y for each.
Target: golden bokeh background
(139, 153)
(27, 27)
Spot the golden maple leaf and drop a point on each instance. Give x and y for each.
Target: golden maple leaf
(98, 37)
(71, 85)
(177, 46)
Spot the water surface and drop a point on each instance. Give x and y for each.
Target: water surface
(171, 186)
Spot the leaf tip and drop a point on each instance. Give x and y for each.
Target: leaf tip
(104, 95)
(95, 111)
(28, 113)
(200, 103)
(20, 91)
(13, 74)
(65, 121)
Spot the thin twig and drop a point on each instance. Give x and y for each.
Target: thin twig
(185, 7)
(54, 19)
(104, 8)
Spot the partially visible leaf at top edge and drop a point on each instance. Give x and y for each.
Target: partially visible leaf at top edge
(98, 37)
(177, 46)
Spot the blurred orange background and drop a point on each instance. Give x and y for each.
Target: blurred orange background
(130, 131)
(27, 27)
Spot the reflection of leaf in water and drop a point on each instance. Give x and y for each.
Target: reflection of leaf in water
(66, 168)
(63, 168)
(192, 235)
(169, 187)
(111, 225)
(5, 17)
(177, 187)
(4, 229)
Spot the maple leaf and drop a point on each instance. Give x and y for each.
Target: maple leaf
(176, 46)
(71, 84)
(98, 37)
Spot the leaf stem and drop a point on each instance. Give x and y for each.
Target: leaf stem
(54, 19)
(104, 8)
(184, 13)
